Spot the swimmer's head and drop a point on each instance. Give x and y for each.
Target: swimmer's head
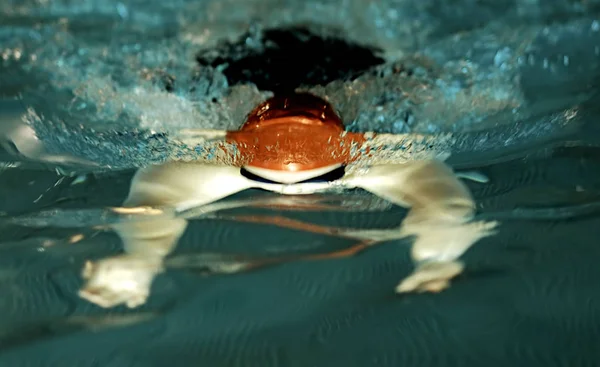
(293, 138)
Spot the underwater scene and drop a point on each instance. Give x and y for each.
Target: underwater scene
(300, 183)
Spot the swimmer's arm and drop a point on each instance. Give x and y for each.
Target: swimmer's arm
(441, 209)
(148, 239)
(429, 188)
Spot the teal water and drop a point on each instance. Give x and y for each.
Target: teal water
(108, 83)
(528, 296)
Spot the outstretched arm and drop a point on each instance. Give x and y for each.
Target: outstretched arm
(440, 218)
(148, 239)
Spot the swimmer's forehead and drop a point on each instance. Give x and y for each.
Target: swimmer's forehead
(300, 104)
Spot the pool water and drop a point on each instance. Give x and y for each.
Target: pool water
(92, 91)
(528, 296)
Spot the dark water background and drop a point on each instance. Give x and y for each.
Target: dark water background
(518, 80)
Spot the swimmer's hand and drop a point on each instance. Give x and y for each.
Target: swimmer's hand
(124, 279)
(430, 277)
(436, 249)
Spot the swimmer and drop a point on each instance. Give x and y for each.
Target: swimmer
(284, 142)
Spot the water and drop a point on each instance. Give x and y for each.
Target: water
(538, 274)
(107, 87)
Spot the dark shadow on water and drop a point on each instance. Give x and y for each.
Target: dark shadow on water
(286, 59)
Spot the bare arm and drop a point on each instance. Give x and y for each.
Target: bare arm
(148, 239)
(440, 218)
